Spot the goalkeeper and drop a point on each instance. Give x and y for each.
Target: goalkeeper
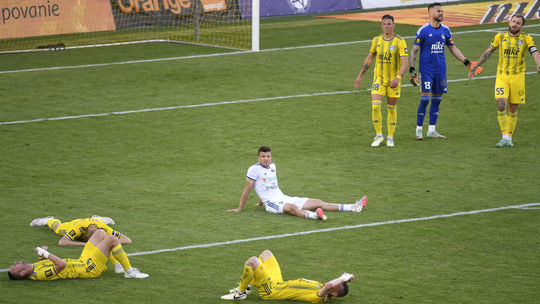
(265, 274)
(430, 41)
(390, 51)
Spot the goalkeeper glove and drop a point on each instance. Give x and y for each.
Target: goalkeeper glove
(471, 64)
(414, 77)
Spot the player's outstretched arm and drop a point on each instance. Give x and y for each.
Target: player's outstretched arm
(245, 194)
(483, 58)
(66, 241)
(367, 63)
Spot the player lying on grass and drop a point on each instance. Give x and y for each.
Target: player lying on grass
(263, 178)
(265, 274)
(78, 232)
(90, 264)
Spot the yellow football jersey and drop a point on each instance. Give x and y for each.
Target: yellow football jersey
(388, 58)
(90, 264)
(297, 290)
(78, 229)
(44, 270)
(512, 52)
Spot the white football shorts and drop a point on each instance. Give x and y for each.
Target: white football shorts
(275, 205)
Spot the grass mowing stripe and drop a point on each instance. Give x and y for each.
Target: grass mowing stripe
(417, 219)
(219, 103)
(231, 53)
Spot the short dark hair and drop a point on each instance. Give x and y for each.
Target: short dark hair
(264, 149)
(15, 277)
(388, 17)
(519, 16)
(344, 291)
(433, 5)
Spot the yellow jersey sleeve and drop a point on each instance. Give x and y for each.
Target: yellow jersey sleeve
(374, 42)
(402, 46)
(496, 40)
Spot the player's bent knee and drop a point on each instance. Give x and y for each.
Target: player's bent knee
(266, 254)
(253, 262)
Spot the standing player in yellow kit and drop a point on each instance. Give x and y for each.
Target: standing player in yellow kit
(390, 52)
(510, 81)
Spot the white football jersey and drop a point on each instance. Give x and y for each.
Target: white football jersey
(266, 184)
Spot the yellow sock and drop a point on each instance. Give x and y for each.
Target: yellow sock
(113, 260)
(501, 116)
(511, 123)
(376, 115)
(392, 119)
(54, 224)
(120, 255)
(247, 277)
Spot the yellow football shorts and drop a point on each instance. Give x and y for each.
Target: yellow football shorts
(95, 262)
(267, 275)
(510, 87)
(385, 90)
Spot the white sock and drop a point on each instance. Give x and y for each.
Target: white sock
(379, 135)
(345, 207)
(312, 215)
(431, 128)
(418, 128)
(507, 137)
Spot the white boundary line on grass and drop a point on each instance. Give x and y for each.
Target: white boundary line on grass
(270, 237)
(232, 53)
(279, 236)
(219, 103)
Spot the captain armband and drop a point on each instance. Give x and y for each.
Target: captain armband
(533, 49)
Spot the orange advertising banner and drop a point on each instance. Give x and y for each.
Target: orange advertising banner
(27, 18)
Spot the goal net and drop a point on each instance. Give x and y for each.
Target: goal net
(27, 25)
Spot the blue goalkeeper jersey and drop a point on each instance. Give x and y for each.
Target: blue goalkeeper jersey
(432, 41)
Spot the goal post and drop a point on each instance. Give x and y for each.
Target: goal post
(29, 25)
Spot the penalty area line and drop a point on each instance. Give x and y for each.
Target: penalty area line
(279, 236)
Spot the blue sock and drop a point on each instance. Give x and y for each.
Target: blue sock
(434, 109)
(424, 100)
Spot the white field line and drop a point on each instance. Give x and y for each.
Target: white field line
(279, 236)
(231, 53)
(219, 103)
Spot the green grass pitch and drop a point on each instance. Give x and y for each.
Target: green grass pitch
(167, 177)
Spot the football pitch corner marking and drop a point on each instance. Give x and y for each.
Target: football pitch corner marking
(532, 206)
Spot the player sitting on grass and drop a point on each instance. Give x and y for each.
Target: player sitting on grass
(265, 274)
(77, 232)
(90, 264)
(262, 176)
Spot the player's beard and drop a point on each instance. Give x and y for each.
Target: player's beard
(513, 32)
